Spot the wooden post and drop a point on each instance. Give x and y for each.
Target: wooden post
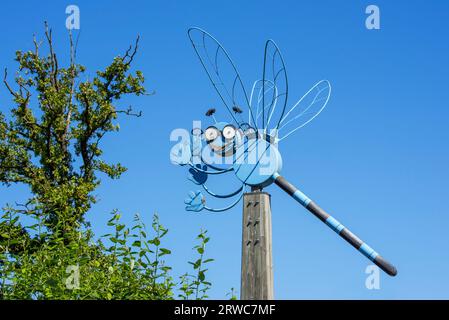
(257, 262)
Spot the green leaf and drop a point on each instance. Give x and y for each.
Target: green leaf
(164, 251)
(197, 264)
(137, 243)
(166, 268)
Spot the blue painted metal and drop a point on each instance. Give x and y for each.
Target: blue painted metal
(252, 154)
(334, 224)
(198, 174)
(195, 201)
(259, 162)
(222, 196)
(301, 198)
(368, 251)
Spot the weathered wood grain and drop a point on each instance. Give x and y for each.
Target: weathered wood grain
(257, 262)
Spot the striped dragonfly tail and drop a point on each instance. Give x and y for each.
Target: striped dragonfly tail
(335, 225)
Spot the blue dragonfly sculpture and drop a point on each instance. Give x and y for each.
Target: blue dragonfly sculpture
(247, 144)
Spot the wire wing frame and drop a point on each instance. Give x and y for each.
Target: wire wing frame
(274, 86)
(258, 91)
(306, 109)
(222, 73)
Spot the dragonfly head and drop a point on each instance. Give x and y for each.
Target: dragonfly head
(222, 137)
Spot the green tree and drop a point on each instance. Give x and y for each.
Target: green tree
(50, 142)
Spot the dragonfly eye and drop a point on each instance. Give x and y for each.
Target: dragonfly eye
(229, 132)
(211, 134)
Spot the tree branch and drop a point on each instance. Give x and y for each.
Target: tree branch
(14, 94)
(53, 60)
(36, 45)
(127, 53)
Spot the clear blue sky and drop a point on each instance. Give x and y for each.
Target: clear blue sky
(377, 157)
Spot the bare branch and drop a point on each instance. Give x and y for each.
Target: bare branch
(56, 68)
(36, 45)
(73, 48)
(25, 206)
(127, 54)
(53, 60)
(14, 94)
(129, 112)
